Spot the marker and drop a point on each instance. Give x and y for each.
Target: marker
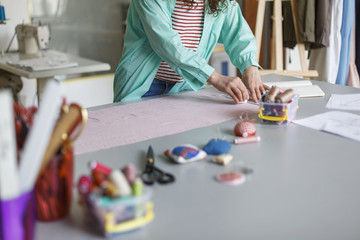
(252, 139)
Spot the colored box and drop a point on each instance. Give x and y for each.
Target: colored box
(114, 216)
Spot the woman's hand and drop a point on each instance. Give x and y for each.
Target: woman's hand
(230, 85)
(254, 83)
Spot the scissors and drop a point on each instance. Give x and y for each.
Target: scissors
(152, 173)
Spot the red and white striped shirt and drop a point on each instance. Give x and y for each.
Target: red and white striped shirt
(188, 22)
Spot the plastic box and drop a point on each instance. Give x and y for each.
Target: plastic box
(279, 113)
(112, 217)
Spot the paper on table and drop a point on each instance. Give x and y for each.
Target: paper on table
(304, 88)
(344, 101)
(340, 123)
(43, 63)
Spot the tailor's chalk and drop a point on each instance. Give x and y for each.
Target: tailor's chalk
(9, 176)
(232, 178)
(119, 180)
(223, 159)
(252, 139)
(39, 135)
(95, 165)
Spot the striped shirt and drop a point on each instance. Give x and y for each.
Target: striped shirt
(188, 22)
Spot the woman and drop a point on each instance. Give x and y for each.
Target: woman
(168, 44)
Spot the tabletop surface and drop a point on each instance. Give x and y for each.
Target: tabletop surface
(84, 65)
(305, 185)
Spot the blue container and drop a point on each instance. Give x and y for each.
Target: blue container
(2, 13)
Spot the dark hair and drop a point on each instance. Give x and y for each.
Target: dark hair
(214, 6)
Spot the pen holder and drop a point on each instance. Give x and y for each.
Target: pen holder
(18, 217)
(54, 187)
(279, 113)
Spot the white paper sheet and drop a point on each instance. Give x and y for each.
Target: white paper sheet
(344, 101)
(43, 63)
(341, 123)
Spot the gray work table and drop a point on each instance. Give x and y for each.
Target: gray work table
(305, 185)
(84, 66)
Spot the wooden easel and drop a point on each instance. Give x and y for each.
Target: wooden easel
(277, 55)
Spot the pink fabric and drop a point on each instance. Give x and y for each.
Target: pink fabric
(135, 122)
(353, 78)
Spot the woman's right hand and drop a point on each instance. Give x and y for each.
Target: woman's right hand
(232, 86)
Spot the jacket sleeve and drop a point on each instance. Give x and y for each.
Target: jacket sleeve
(238, 39)
(166, 42)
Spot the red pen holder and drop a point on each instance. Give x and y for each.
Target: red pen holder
(53, 188)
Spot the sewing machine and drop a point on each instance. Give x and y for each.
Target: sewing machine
(31, 38)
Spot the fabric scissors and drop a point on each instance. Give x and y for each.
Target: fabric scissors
(152, 173)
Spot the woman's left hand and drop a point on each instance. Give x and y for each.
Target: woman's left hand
(253, 82)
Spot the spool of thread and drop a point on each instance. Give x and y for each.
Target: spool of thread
(119, 180)
(274, 91)
(137, 187)
(110, 189)
(2, 13)
(285, 97)
(96, 166)
(130, 172)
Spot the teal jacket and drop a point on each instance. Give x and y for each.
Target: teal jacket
(150, 38)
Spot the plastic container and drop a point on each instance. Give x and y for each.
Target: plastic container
(279, 113)
(114, 216)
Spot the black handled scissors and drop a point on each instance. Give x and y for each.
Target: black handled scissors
(152, 173)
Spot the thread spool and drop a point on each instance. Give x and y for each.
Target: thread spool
(2, 13)
(119, 180)
(137, 187)
(285, 97)
(130, 172)
(274, 91)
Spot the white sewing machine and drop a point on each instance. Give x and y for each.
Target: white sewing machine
(31, 38)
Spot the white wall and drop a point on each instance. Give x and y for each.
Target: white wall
(87, 92)
(16, 11)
